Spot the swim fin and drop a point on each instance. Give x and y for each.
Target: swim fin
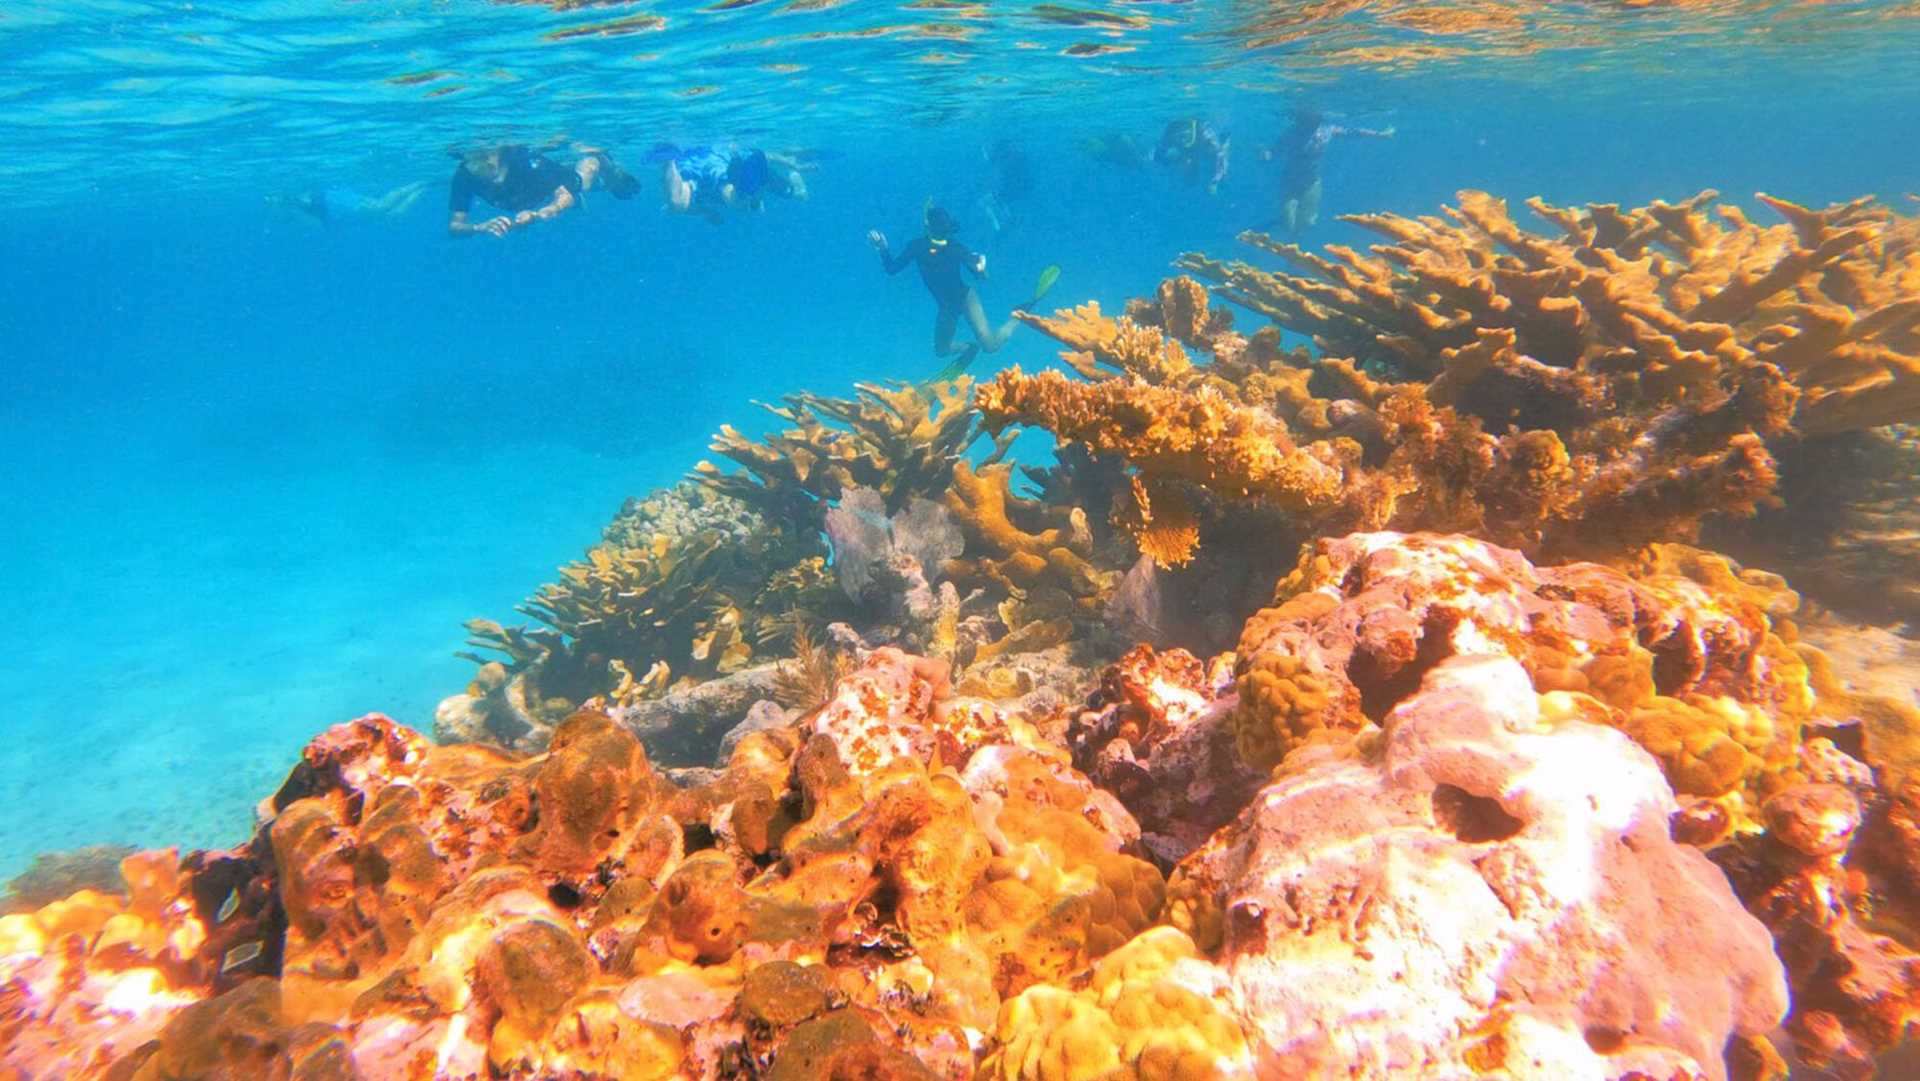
(956, 367)
(619, 183)
(1042, 287)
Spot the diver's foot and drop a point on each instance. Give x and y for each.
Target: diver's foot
(1042, 287)
(957, 366)
(619, 183)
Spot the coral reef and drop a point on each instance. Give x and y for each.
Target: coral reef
(1273, 730)
(1684, 658)
(685, 585)
(926, 545)
(1444, 812)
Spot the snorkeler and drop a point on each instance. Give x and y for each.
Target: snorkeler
(943, 262)
(1300, 149)
(327, 205)
(1012, 181)
(1198, 148)
(709, 179)
(528, 185)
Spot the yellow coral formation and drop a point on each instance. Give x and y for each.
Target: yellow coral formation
(1199, 438)
(899, 440)
(1120, 344)
(1665, 303)
(1542, 401)
(1283, 703)
(1136, 1019)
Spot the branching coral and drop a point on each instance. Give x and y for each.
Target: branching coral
(1580, 393)
(1663, 304)
(687, 583)
(900, 440)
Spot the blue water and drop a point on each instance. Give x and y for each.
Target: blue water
(254, 471)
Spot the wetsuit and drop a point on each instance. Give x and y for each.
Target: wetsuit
(528, 184)
(942, 268)
(1300, 151)
(1198, 148)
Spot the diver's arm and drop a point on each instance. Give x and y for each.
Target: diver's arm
(458, 225)
(888, 262)
(562, 201)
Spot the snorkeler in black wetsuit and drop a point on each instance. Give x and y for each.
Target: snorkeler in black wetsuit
(1198, 149)
(527, 185)
(943, 262)
(1300, 149)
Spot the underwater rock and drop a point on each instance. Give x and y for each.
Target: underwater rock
(1690, 669)
(1154, 735)
(1491, 890)
(1825, 888)
(763, 716)
(54, 875)
(685, 727)
(1848, 529)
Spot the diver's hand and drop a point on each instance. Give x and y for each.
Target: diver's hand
(525, 217)
(878, 239)
(496, 226)
(980, 264)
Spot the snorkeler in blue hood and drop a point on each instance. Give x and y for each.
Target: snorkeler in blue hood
(944, 264)
(707, 180)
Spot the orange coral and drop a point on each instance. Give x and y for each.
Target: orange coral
(1592, 454)
(1657, 305)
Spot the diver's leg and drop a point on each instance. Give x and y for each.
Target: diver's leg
(987, 205)
(943, 327)
(410, 195)
(679, 192)
(400, 200)
(1310, 205)
(990, 339)
(588, 170)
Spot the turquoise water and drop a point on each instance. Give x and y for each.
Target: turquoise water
(257, 469)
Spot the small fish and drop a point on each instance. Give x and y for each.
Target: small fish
(239, 955)
(228, 907)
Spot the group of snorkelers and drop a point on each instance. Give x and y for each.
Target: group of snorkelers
(527, 185)
(1202, 152)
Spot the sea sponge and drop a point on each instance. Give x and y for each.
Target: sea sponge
(700, 914)
(593, 788)
(528, 970)
(842, 1046)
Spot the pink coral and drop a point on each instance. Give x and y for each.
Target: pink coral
(1492, 891)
